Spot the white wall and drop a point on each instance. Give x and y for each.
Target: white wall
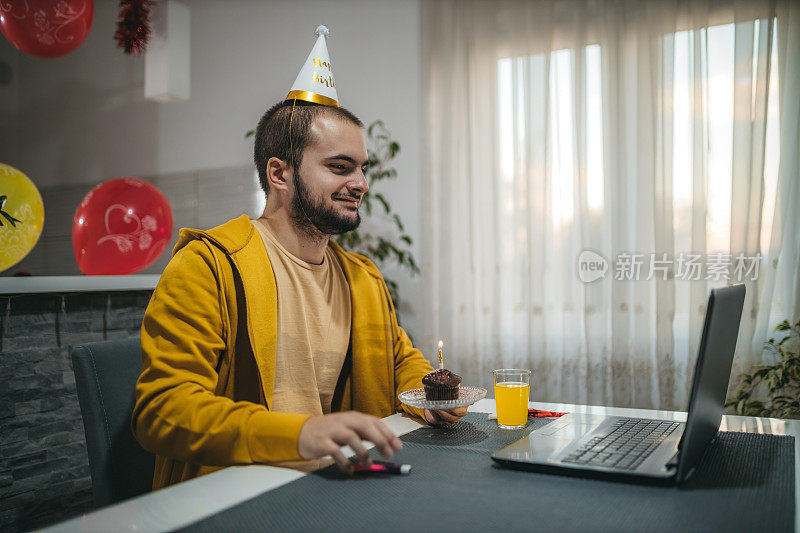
(82, 118)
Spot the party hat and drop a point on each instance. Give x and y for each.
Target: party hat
(315, 81)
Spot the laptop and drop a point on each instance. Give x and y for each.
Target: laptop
(643, 450)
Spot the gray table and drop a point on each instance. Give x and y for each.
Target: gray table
(189, 502)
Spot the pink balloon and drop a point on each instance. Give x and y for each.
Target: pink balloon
(122, 226)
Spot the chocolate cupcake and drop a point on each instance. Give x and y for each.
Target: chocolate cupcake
(441, 385)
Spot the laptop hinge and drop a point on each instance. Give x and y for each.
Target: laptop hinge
(673, 462)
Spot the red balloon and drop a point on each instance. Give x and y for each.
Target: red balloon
(46, 28)
(121, 227)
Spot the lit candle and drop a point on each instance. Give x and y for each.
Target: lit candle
(441, 361)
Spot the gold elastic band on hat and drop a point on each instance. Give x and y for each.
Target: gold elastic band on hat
(311, 97)
(295, 170)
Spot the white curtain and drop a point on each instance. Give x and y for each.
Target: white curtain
(630, 129)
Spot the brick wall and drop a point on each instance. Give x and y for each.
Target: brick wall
(44, 470)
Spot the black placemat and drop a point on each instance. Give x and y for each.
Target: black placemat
(744, 482)
(474, 432)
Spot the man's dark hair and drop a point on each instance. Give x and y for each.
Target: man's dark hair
(272, 134)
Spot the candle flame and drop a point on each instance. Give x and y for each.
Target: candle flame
(440, 344)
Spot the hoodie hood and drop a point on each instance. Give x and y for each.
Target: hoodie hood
(235, 234)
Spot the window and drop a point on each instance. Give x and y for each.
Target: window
(714, 49)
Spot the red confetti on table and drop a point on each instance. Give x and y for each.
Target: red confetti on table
(536, 413)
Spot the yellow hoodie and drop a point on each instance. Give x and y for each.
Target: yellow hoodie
(208, 351)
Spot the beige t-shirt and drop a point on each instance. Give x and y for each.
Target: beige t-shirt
(313, 328)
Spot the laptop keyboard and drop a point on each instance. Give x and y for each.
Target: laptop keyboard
(627, 443)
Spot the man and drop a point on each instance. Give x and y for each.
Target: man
(266, 342)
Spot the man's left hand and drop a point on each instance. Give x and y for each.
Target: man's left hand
(444, 417)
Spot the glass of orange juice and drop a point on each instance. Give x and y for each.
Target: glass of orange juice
(512, 387)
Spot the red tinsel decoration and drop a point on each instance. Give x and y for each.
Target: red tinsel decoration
(133, 28)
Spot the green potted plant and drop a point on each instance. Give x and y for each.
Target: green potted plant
(380, 249)
(781, 380)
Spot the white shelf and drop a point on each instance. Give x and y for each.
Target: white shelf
(59, 284)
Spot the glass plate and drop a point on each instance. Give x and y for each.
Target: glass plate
(467, 395)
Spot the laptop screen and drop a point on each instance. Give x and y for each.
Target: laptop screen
(712, 374)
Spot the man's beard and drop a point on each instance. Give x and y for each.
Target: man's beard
(310, 213)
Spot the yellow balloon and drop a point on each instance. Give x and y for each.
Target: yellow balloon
(21, 216)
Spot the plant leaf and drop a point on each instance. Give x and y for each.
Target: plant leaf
(376, 124)
(381, 199)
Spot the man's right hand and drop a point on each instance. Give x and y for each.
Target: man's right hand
(326, 434)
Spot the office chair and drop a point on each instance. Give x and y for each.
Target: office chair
(105, 376)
